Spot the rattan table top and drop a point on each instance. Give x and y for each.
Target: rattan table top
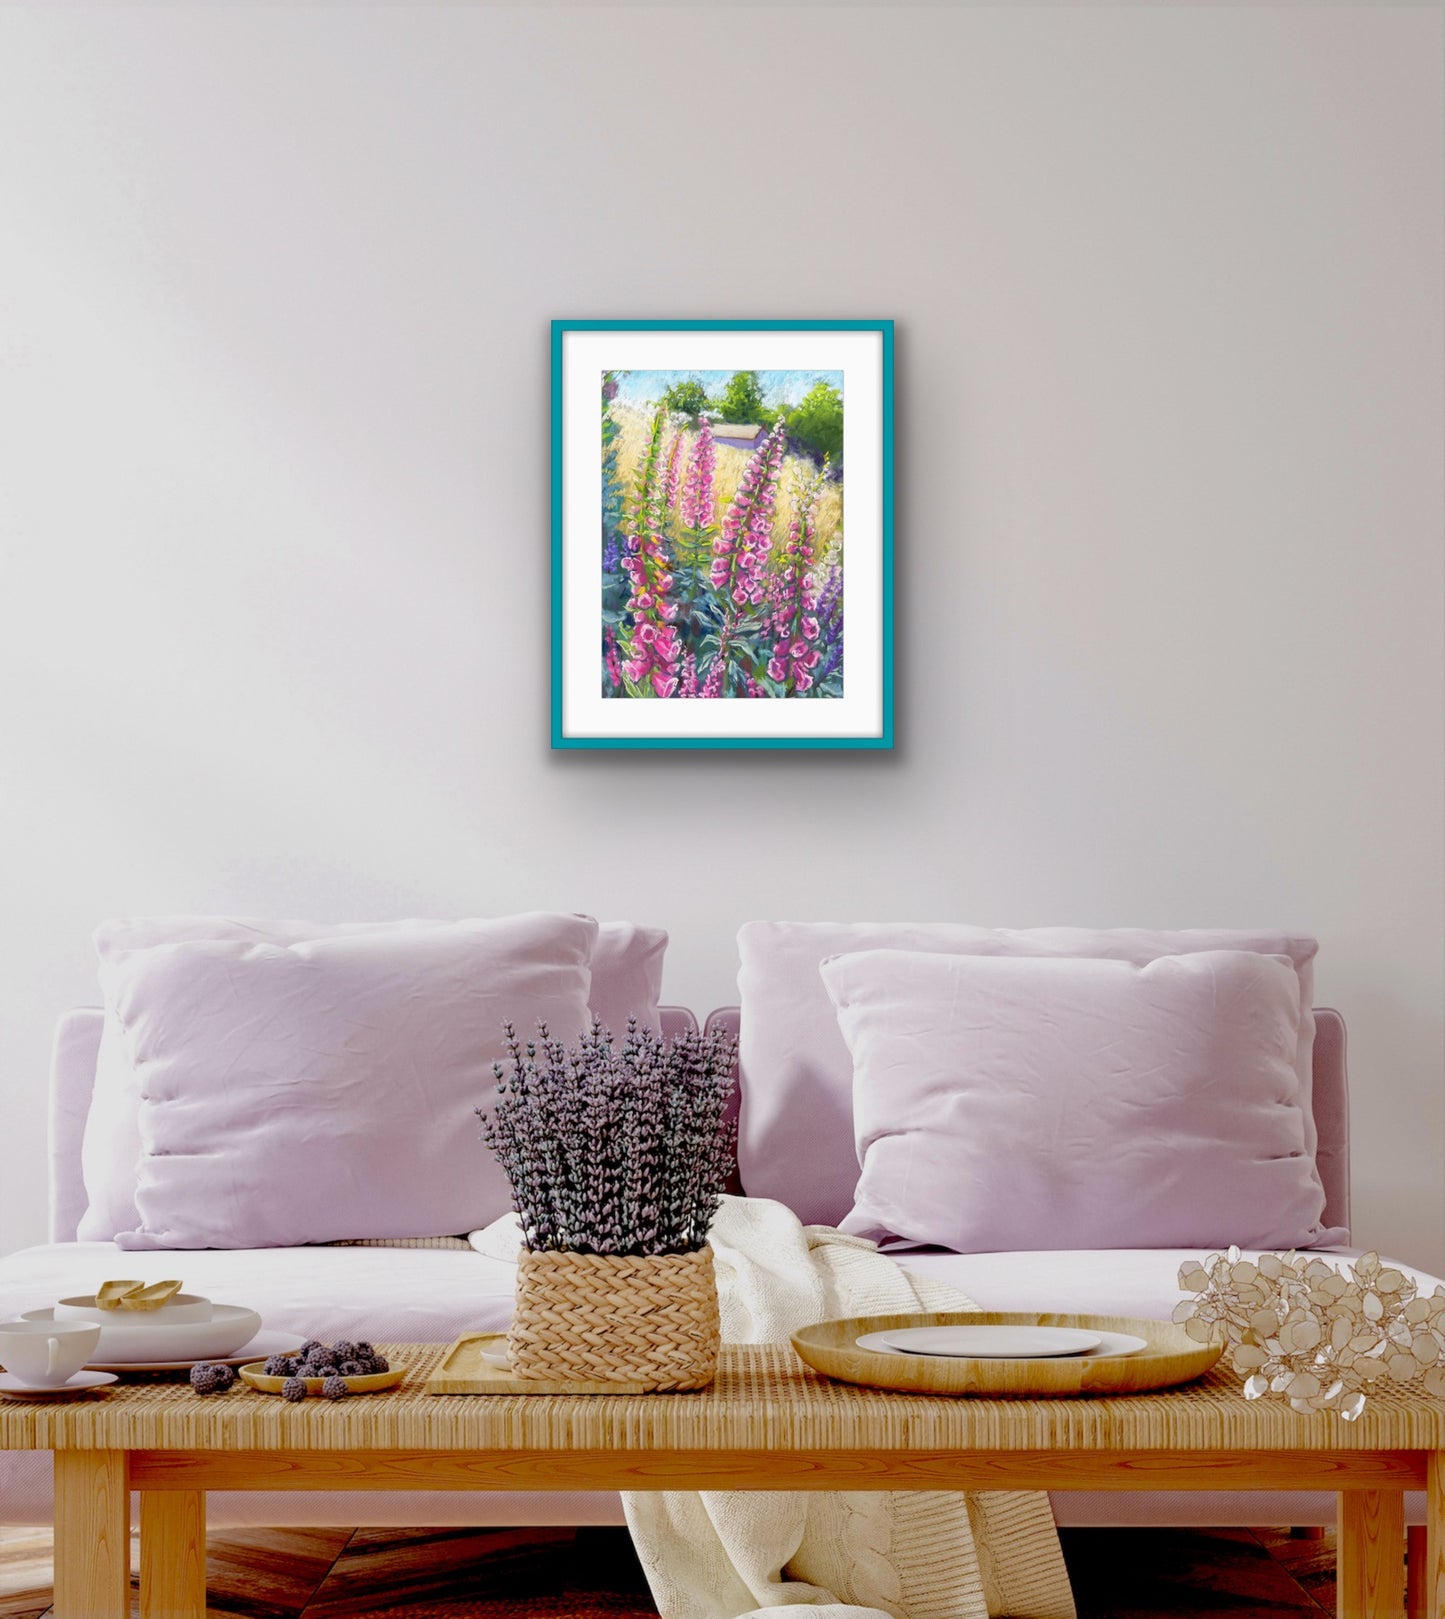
(764, 1398)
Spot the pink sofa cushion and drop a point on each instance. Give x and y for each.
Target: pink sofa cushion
(795, 1138)
(1014, 1103)
(300, 1093)
(626, 981)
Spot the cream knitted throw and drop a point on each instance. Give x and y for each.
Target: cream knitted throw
(907, 1554)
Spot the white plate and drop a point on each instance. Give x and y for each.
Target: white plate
(1109, 1343)
(79, 1384)
(138, 1340)
(992, 1343)
(261, 1347)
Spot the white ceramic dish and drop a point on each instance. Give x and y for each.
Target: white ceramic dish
(146, 1336)
(81, 1383)
(1110, 1343)
(184, 1308)
(992, 1343)
(261, 1347)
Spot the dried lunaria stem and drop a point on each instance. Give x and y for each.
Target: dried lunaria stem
(614, 1150)
(1295, 1326)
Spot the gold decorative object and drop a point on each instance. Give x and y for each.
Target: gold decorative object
(1296, 1326)
(109, 1294)
(135, 1295)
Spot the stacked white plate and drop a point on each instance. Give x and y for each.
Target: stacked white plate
(1000, 1343)
(184, 1330)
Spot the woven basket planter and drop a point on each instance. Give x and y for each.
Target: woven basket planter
(616, 1318)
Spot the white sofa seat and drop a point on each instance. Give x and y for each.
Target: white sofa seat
(432, 1295)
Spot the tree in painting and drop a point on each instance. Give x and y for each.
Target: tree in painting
(722, 534)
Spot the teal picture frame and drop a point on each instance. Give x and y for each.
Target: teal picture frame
(879, 739)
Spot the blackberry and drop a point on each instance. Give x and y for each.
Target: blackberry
(334, 1388)
(281, 1366)
(294, 1388)
(208, 1378)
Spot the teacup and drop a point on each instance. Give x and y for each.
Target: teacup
(46, 1354)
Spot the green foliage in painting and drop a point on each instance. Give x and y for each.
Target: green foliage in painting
(742, 400)
(817, 422)
(689, 398)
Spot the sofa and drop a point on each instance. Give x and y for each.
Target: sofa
(433, 1289)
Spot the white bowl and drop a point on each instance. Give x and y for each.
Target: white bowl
(141, 1336)
(183, 1307)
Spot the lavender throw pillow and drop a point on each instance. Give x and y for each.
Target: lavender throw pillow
(1016, 1103)
(626, 981)
(795, 1137)
(300, 1093)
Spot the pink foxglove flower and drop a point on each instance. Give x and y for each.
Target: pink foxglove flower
(696, 510)
(651, 653)
(672, 479)
(793, 617)
(740, 552)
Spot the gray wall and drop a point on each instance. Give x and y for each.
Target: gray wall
(274, 459)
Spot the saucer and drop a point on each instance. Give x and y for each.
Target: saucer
(81, 1383)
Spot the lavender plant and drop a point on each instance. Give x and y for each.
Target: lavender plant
(614, 1149)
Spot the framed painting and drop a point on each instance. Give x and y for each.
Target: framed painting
(722, 534)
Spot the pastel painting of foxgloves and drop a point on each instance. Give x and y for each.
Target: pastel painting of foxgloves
(722, 534)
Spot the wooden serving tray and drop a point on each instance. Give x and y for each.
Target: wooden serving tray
(256, 1377)
(1171, 1356)
(463, 1371)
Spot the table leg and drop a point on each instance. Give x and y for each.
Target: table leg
(1415, 1571)
(172, 1554)
(1435, 1535)
(1370, 1555)
(92, 1535)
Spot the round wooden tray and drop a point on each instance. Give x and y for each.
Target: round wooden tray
(1171, 1357)
(368, 1383)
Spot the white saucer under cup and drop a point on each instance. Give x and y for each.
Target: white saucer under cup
(44, 1354)
(80, 1383)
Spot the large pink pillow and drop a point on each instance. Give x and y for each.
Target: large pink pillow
(298, 1093)
(626, 981)
(795, 1139)
(1008, 1103)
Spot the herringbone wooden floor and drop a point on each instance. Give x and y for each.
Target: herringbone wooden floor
(591, 1574)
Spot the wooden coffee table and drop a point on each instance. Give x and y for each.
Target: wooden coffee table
(767, 1424)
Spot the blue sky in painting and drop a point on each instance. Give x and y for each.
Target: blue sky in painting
(779, 387)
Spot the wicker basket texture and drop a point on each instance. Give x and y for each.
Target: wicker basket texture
(616, 1318)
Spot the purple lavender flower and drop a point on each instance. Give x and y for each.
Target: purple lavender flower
(614, 1150)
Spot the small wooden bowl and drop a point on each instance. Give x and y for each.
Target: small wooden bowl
(254, 1374)
(1170, 1356)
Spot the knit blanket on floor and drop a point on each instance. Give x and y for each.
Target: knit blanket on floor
(905, 1554)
